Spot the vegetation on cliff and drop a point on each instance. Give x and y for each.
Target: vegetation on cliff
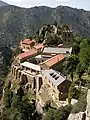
(16, 107)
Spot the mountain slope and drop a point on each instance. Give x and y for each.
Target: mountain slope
(16, 22)
(2, 3)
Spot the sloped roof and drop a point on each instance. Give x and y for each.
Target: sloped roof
(27, 54)
(39, 46)
(52, 61)
(27, 41)
(53, 50)
(31, 66)
(53, 76)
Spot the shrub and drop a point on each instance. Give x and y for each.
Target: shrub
(73, 93)
(8, 98)
(63, 112)
(80, 106)
(50, 115)
(47, 106)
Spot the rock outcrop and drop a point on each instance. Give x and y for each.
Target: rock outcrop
(77, 116)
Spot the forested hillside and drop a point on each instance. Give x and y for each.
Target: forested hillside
(17, 23)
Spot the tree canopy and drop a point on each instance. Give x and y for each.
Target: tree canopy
(70, 65)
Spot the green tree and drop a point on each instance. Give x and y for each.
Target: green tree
(30, 37)
(20, 110)
(10, 114)
(63, 112)
(70, 65)
(50, 115)
(15, 101)
(47, 106)
(53, 40)
(20, 92)
(27, 110)
(80, 106)
(38, 38)
(71, 92)
(14, 111)
(8, 98)
(76, 45)
(84, 55)
(80, 71)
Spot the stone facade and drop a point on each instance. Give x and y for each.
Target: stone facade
(57, 92)
(43, 87)
(28, 78)
(35, 73)
(67, 36)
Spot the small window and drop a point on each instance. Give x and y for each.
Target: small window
(41, 68)
(69, 39)
(67, 52)
(69, 35)
(65, 34)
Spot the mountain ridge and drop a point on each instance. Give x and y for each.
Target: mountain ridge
(3, 3)
(17, 23)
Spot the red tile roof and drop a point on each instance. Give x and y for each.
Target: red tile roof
(52, 61)
(39, 46)
(27, 54)
(28, 41)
